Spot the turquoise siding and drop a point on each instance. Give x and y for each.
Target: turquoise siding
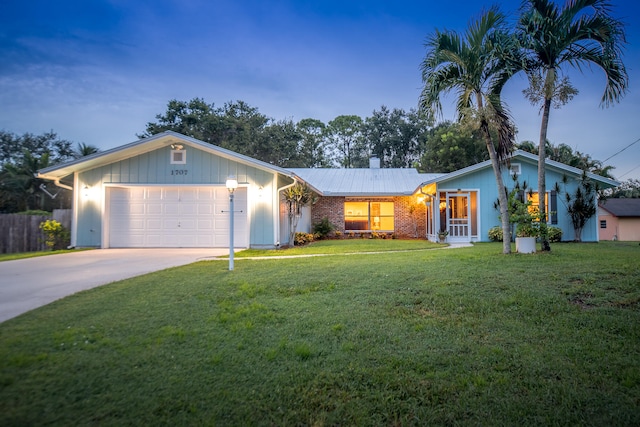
(484, 181)
(201, 168)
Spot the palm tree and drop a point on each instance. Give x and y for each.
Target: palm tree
(580, 33)
(474, 65)
(85, 150)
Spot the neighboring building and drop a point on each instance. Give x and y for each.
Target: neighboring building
(169, 191)
(619, 219)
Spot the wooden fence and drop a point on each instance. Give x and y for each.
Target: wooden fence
(21, 233)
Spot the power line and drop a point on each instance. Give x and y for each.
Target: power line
(621, 150)
(629, 171)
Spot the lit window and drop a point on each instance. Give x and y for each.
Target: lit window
(368, 216)
(551, 206)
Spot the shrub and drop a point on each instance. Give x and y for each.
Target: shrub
(323, 228)
(302, 239)
(554, 234)
(56, 236)
(338, 234)
(495, 234)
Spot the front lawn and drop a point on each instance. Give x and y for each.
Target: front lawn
(436, 337)
(343, 246)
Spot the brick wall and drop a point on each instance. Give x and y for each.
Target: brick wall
(330, 207)
(407, 223)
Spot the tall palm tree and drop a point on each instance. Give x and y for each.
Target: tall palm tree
(580, 33)
(475, 65)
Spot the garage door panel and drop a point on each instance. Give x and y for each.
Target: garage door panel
(171, 208)
(205, 224)
(137, 209)
(175, 217)
(154, 224)
(187, 208)
(154, 208)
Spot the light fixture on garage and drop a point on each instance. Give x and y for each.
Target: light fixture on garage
(232, 184)
(177, 146)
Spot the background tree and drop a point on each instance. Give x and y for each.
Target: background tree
(564, 154)
(450, 146)
(194, 118)
(629, 189)
(344, 133)
(22, 156)
(20, 189)
(13, 147)
(473, 64)
(580, 33)
(312, 150)
(276, 143)
(394, 136)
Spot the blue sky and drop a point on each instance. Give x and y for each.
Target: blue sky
(97, 71)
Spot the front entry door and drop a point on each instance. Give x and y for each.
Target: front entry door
(459, 217)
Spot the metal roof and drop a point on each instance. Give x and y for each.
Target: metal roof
(622, 207)
(363, 182)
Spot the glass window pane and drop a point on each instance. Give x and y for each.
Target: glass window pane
(356, 216)
(386, 223)
(386, 208)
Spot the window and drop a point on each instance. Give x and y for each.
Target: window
(368, 216)
(550, 201)
(516, 169)
(178, 157)
(603, 223)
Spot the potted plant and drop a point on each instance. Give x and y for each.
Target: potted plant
(442, 235)
(527, 220)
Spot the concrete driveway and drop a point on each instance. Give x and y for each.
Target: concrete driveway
(30, 283)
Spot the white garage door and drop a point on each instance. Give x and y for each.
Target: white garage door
(175, 217)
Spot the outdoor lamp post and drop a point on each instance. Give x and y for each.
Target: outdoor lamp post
(232, 184)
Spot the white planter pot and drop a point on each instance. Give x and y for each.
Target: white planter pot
(525, 245)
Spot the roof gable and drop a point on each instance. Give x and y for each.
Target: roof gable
(520, 155)
(622, 207)
(146, 145)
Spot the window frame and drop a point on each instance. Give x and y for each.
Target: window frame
(173, 160)
(353, 214)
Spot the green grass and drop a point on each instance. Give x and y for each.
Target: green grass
(23, 255)
(443, 337)
(342, 247)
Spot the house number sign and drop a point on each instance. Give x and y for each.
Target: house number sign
(179, 171)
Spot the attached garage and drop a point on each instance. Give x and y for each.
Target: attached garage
(174, 217)
(169, 191)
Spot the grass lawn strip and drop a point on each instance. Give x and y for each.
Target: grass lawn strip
(414, 338)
